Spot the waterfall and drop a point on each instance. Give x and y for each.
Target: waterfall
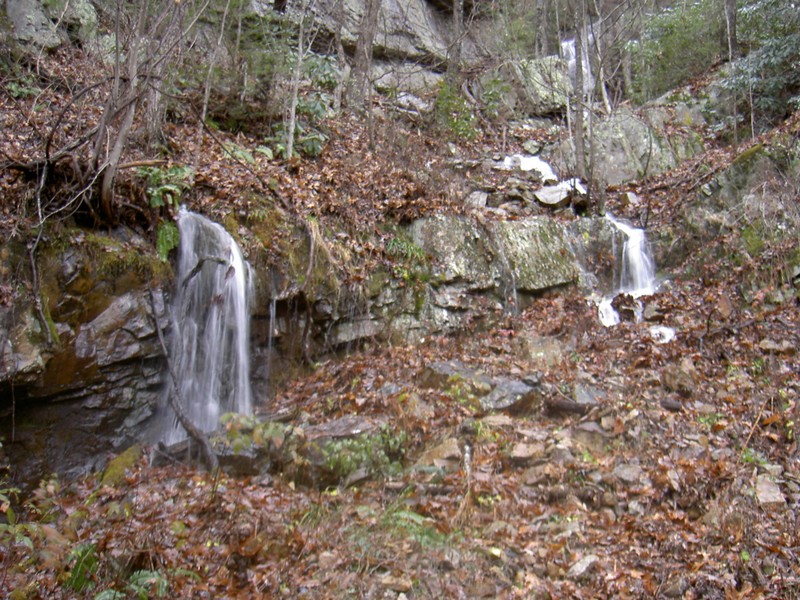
(637, 273)
(637, 276)
(210, 337)
(570, 55)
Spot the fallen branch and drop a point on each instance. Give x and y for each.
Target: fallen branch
(755, 424)
(176, 401)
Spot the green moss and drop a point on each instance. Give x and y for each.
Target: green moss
(377, 283)
(115, 471)
(746, 158)
(111, 259)
(753, 240)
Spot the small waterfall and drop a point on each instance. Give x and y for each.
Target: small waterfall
(569, 54)
(210, 339)
(637, 275)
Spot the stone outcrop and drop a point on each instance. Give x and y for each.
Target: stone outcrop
(414, 30)
(68, 401)
(537, 87)
(100, 377)
(47, 25)
(632, 144)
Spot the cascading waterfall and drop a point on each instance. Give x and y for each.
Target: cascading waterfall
(637, 275)
(210, 339)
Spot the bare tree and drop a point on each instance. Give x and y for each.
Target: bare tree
(730, 27)
(296, 76)
(454, 58)
(358, 88)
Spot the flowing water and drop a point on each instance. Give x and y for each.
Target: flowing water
(210, 339)
(637, 274)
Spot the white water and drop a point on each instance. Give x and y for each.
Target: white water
(525, 162)
(637, 275)
(209, 345)
(570, 55)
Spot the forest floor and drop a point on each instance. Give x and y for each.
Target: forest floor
(681, 481)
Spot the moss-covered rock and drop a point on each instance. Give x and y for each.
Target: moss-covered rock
(114, 473)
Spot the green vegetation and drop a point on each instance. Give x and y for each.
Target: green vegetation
(82, 565)
(167, 240)
(165, 186)
(462, 391)
(376, 453)
(454, 115)
(753, 457)
(677, 43)
(767, 79)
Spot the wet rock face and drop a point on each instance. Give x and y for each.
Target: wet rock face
(67, 403)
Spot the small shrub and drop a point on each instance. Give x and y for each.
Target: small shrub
(165, 186)
(454, 114)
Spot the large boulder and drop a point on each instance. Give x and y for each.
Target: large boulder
(409, 30)
(30, 25)
(538, 252)
(46, 25)
(629, 145)
(536, 87)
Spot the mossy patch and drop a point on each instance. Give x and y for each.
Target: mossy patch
(115, 471)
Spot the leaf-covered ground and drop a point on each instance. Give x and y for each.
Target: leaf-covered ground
(682, 480)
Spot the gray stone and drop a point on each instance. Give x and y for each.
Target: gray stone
(581, 568)
(444, 374)
(512, 396)
(31, 26)
(538, 87)
(405, 77)
(446, 455)
(22, 353)
(587, 395)
(411, 30)
(542, 351)
(460, 250)
(630, 474)
(769, 493)
(476, 198)
(538, 252)
(77, 17)
(628, 146)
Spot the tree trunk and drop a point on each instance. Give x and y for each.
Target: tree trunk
(730, 23)
(341, 55)
(296, 75)
(580, 151)
(358, 89)
(454, 58)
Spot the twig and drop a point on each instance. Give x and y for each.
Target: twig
(755, 424)
(176, 401)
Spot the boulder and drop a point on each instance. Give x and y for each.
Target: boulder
(512, 396)
(629, 146)
(77, 17)
(412, 30)
(537, 87)
(538, 251)
(31, 26)
(461, 251)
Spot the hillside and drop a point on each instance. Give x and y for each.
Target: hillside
(638, 468)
